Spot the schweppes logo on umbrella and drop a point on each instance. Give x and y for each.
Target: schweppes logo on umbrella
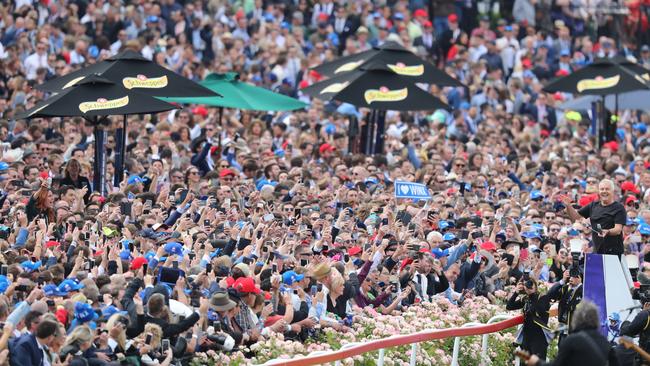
(384, 94)
(401, 69)
(348, 66)
(141, 81)
(334, 88)
(103, 103)
(598, 82)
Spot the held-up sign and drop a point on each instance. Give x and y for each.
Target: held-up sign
(411, 190)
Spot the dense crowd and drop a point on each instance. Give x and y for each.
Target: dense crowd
(223, 233)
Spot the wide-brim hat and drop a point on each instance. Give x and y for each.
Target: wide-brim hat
(220, 301)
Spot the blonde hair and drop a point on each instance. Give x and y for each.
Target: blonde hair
(79, 336)
(111, 323)
(156, 333)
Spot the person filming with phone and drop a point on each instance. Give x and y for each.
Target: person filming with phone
(607, 218)
(535, 334)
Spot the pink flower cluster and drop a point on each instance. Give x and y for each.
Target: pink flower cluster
(370, 325)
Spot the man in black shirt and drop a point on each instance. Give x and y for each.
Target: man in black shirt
(606, 216)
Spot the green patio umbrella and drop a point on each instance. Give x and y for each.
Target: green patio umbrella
(240, 95)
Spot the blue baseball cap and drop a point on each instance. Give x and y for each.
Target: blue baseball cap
(3, 166)
(565, 52)
(439, 253)
(30, 266)
(51, 290)
(4, 283)
(110, 310)
(398, 16)
(629, 222)
(442, 224)
(174, 248)
(529, 74)
(448, 237)
(572, 232)
(134, 179)
(125, 255)
(152, 19)
(93, 51)
(371, 181)
(641, 127)
(531, 234)
(70, 285)
(538, 227)
(84, 313)
(291, 277)
(644, 229)
(536, 195)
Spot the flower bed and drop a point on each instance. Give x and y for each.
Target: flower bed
(370, 325)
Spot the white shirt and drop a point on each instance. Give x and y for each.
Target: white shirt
(33, 62)
(46, 356)
(423, 281)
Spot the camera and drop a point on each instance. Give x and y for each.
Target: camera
(644, 294)
(223, 342)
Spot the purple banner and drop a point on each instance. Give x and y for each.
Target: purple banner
(594, 287)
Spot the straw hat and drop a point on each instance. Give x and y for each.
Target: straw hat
(321, 271)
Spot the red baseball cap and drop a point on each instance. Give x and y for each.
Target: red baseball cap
(138, 262)
(452, 18)
(200, 110)
(420, 13)
(629, 186)
(52, 243)
(489, 246)
(326, 147)
(631, 199)
(246, 285)
(225, 172)
(612, 145)
(354, 250)
(587, 199)
(427, 24)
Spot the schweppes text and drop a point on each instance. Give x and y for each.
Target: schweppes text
(597, 83)
(385, 95)
(142, 81)
(102, 103)
(401, 69)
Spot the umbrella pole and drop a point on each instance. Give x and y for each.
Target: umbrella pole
(120, 152)
(369, 133)
(100, 158)
(220, 132)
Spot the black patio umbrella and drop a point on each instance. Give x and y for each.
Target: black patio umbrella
(602, 77)
(605, 76)
(93, 98)
(375, 89)
(131, 70)
(379, 90)
(393, 57)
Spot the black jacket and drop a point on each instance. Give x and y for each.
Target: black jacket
(584, 347)
(567, 300)
(170, 330)
(535, 310)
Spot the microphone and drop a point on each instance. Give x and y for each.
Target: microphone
(639, 306)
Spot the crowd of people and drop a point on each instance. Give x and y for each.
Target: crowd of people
(223, 233)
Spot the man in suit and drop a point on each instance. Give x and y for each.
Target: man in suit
(344, 25)
(427, 40)
(33, 349)
(540, 111)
